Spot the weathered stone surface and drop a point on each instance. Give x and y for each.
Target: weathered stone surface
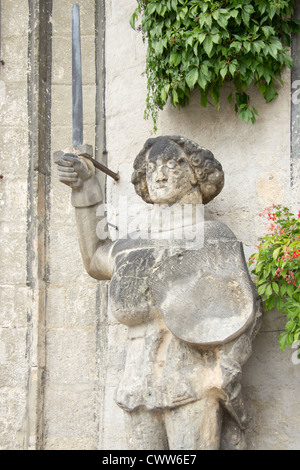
(173, 301)
(256, 161)
(213, 289)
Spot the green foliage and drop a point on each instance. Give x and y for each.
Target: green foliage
(202, 44)
(277, 269)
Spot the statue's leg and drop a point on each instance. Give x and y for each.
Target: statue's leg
(195, 426)
(145, 430)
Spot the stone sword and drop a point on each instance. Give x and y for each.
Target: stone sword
(80, 148)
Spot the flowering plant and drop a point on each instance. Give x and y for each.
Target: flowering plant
(276, 269)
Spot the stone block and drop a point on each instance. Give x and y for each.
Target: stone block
(71, 356)
(13, 301)
(13, 366)
(13, 258)
(56, 306)
(70, 415)
(117, 12)
(122, 90)
(81, 305)
(14, 52)
(120, 53)
(112, 440)
(14, 153)
(13, 14)
(63, 243)
(13, 416)
(62, 60)
(14, 111)
(13, 208)
(62, 105)
(62, 17)
(71, 443)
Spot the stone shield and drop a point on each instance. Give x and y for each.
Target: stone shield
(206, 297)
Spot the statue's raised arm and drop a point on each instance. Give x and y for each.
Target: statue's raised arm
(78, 173)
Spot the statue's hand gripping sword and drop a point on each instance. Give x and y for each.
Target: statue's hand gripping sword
(80, 148)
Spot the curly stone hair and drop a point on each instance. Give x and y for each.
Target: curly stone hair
(208, 171)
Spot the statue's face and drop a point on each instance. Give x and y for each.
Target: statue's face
(169, 178)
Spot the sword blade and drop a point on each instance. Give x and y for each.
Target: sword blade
(77, 101)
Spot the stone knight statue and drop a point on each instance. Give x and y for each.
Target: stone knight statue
(191, 311)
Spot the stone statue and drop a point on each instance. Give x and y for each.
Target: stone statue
(191, 311)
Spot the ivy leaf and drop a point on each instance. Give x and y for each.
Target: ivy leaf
(270, 93)
(280, 304)
(246, 46)
(268, 291)
(133, 18)
(215, 94)
(223, 72)
(270, 303)
(257, 46)
(287, 60)
(202, 81)
(245, 17)
(204, 100)
(175, 58)
(175, 99)
(232, 69)
(261, 289)
(208, 45)
(283, 337)
(272, 50)
(216, 15)
(235, 45)
(192, 78)
(174, 5)
(190, 40)
(290, 290)
(164, 92)
(221, 20)
(201, 37)
(205, 71)
(234, 13)
(267, 30)
(275, 287)
(205, 18)
(249, 9)
(245, 115)
(215, 38)
(159, 46)
(151, 8)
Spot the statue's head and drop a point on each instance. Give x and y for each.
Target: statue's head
(169, 168)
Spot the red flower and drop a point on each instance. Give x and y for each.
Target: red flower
(299, 215)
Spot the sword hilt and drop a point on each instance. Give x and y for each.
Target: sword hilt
(86, 151)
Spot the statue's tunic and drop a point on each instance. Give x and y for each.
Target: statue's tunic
(161, 370)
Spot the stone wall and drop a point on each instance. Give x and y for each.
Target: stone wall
(256, 160)
(61, 352)
(17, 363)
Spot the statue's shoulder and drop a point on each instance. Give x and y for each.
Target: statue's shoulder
(214, 231)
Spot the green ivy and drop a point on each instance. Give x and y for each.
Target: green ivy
(202, 44)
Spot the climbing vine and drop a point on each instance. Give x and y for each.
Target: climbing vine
(203, 44)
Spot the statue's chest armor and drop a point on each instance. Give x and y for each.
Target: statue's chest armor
(131, 300)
